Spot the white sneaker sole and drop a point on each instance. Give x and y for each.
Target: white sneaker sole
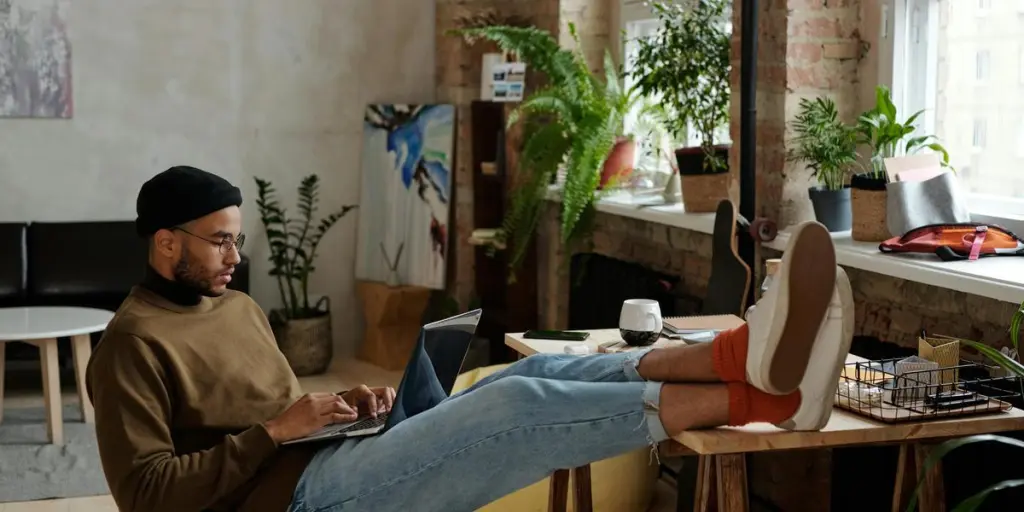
(806, 281)
(818, 396)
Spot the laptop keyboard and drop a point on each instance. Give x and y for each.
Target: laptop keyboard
(365, 424)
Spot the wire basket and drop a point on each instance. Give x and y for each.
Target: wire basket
(892, 391)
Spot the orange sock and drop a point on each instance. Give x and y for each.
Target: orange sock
(748, 404)
(729, 354)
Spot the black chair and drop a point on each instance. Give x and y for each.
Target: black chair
(12, 264)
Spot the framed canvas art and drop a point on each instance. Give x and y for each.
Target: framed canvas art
(405, 194)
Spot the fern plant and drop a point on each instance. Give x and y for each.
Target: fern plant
(881, 130)
(823, 141)
(293, 244)
(572, 122)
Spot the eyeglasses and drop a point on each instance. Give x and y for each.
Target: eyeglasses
(224, 244)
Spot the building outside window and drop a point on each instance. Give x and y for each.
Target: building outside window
(968, 75)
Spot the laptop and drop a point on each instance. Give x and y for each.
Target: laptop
(430, 374)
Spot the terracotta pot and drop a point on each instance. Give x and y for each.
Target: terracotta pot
(619, 164)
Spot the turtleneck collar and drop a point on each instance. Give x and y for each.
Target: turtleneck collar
(173, 291)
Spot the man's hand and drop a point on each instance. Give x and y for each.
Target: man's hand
(371, 401)
(308, 414)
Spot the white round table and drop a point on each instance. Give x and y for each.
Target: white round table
(41, 326)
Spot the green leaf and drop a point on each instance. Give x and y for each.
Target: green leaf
(971, 504)
(997, 357)
(1016, 323)
(941, 450)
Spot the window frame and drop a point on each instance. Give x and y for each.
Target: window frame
(893, 46)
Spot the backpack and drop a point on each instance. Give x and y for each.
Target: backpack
(954, 242)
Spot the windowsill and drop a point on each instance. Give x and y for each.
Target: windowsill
(647, 207)
(997, 277)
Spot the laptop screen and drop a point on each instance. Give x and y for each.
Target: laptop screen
(434, 365)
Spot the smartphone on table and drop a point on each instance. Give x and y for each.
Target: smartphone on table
(556, 335)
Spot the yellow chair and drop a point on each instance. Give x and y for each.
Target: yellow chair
(620, 484)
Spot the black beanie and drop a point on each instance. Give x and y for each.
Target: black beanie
(179, 195)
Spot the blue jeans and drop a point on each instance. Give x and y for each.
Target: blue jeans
(509, 430)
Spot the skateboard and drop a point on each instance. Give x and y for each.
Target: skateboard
(760, 231)
(729, 285)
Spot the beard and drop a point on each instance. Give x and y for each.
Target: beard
(195, 275)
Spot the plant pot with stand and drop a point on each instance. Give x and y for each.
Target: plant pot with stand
(302, 329)
(686, 64)
(703, 183)
(880, 129)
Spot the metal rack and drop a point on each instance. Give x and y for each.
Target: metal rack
(876, 389)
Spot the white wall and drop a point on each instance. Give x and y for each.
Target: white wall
(241, 88)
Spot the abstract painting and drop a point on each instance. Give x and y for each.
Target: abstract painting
(35, 59)
(405, 194)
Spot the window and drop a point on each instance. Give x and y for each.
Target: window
(1019, 145)
(982, 65)
(938, 52)
(978, 140)
(1020, 62)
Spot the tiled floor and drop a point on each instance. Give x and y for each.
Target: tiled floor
(344, 375)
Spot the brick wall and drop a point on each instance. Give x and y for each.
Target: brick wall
(674, 251)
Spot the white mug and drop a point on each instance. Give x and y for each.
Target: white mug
(640, 322)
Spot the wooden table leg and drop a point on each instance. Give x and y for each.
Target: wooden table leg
(933, 493)
(909, 466)
(732, 483)
(2, 357)
(51, 390)
(582, 494)
(81, 349)
(704, 499)
(558, 495)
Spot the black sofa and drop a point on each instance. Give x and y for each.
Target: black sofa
(89, 264)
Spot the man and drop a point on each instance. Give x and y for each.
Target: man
(193, 399)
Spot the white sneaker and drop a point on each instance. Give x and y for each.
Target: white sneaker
(818, 389)
(785, 323)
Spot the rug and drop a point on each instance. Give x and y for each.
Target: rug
(32, 469)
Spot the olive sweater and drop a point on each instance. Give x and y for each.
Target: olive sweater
(182, 385)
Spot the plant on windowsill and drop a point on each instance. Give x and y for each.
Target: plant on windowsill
(1014, 368)
(829, 148)
(302, 330)
(686, 65)
(573, 123)
(881, 130)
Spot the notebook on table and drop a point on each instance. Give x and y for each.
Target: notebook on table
(699, 328)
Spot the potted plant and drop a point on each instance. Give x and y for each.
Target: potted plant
(886, 137)
(572, 123)
(686, 65)
(302, 330)
(829, 147)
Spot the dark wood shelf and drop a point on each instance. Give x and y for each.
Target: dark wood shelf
(507, 307)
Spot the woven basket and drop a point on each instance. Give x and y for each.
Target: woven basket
(703, 192)
(306, 344)
(869, 215)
